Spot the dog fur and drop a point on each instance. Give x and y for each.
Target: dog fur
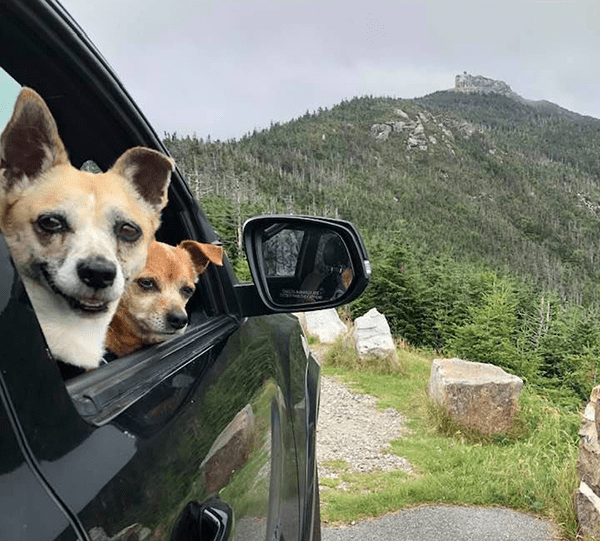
(76, 238)
(152, 309)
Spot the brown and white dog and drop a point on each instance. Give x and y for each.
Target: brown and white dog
(152, 309)
(76, 238)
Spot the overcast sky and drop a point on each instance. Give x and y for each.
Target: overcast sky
(224, 67)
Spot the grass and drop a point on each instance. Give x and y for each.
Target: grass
(530, 469)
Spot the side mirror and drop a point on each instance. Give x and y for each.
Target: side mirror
(304, 263)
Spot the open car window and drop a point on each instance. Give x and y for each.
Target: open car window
(102, 394)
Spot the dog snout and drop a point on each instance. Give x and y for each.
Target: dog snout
(97, 272)
(177, 320)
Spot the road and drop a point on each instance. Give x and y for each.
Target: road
(447, 523)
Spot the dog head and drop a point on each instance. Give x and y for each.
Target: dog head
(76, 237)
(81, 235)
(152, 308)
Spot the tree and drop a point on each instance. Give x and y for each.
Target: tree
(490, 336)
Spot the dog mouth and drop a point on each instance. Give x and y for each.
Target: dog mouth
(165, 334)
(87, 305)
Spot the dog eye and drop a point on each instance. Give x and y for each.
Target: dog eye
(187, 291)
(146, 283)
(51, 223)
(128, 232)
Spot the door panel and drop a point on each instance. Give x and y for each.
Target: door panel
(217, 444)
(29, 513)
(230, 421)
(205, 431)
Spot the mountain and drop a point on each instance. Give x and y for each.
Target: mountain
(477, 173)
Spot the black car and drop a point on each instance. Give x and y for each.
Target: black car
(208, 436)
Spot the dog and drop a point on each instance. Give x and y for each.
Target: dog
(76, 238)
(152, 309)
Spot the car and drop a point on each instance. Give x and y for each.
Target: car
(208, 436)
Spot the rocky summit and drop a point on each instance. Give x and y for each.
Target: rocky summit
(468, 83)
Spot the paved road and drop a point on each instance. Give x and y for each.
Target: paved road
(446, 523)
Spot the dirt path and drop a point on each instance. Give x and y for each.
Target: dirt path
(351, 428)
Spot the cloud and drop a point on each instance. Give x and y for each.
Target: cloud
(224, 67)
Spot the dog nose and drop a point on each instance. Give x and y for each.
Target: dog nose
(97, 272)
(177, 320)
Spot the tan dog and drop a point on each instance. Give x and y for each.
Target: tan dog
(152, 308)
(76, 238)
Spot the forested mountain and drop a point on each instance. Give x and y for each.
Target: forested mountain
(481, 211)
(481, 177)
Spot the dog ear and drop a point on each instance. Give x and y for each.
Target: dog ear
(202, 254)
(30, 144)
(149, 171)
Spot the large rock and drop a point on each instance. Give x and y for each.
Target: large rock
(372, 336)
(477, 395)
(381, 132)
(326, 325)
(587, 496)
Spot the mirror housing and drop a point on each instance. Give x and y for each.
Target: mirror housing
(301, 263)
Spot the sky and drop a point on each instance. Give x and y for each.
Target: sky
(224, 68)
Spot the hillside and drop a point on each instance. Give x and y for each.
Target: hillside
(481, 177)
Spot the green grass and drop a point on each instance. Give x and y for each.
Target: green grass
(531, 469)
(340, 356)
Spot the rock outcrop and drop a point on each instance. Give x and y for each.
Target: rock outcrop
(423, 131)
(477, 395)
(482, 85)
(587, 495)
(413, 130)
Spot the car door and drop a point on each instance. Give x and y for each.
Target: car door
(214, 437)
(179, 437)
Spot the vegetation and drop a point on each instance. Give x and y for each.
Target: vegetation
(531, 469)
(484, 237)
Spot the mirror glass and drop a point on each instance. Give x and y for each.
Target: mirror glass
(305, 265)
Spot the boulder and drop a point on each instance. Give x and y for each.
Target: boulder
(477, 395)
(326, 325)
(381, 132)
(587, 496)
(372, 336)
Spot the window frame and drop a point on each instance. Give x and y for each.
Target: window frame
(103, 394)
(43, 48)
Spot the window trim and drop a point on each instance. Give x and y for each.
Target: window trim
(103, 394)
